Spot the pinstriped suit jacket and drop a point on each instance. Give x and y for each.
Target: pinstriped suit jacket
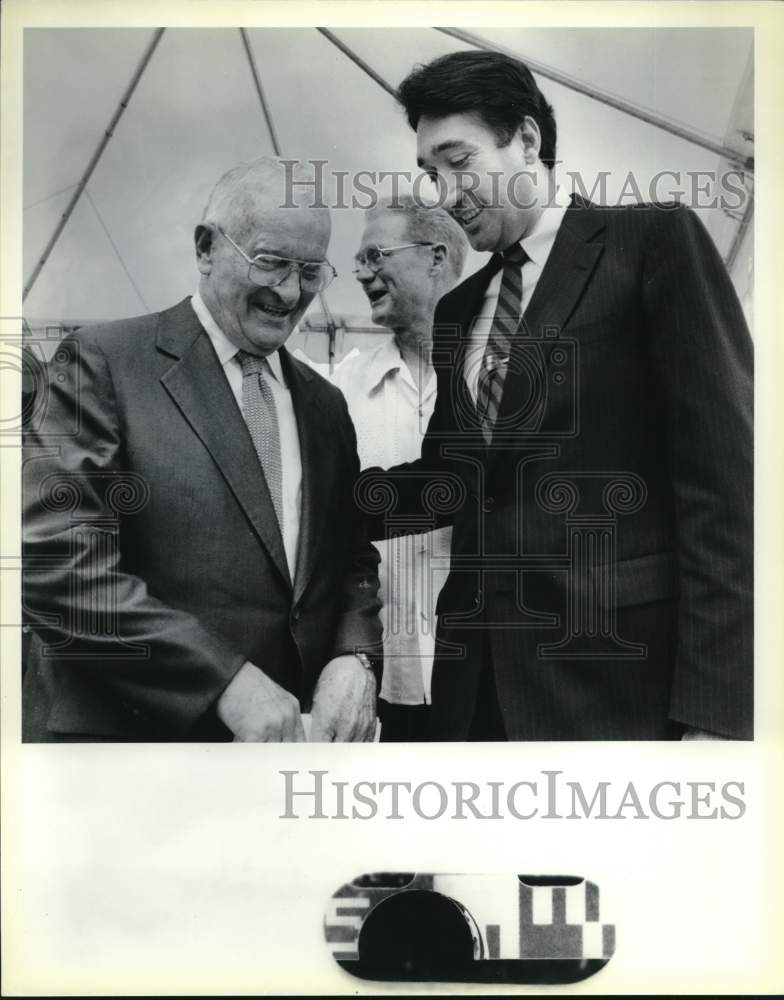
(602, 554)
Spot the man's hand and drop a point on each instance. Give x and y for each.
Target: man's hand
(701, 734)
(257, 710)
(344, 704)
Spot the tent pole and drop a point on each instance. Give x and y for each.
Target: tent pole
(260, 91)
(740, 232)
(358, 61)
(124, 100)
(726, 152)
(330, 322)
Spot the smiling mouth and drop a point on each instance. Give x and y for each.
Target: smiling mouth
(275, 311)
(376, 295)
(465, 218)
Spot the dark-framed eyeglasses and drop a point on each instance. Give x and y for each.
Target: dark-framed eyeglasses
(270, 269)
(372, 258)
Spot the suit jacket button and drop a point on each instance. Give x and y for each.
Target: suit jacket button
(296, 614)
(488, 505)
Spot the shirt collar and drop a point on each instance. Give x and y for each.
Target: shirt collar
(385, 360)
(224, 348)
(539, 243)
(382, 362)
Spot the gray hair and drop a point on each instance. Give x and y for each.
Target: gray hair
(245, 190)
(427, 225)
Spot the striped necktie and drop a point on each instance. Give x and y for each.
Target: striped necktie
(495, 360)
(261, 416)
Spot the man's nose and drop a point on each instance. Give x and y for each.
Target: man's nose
(449, 191)
(363, 273)
(289, 288)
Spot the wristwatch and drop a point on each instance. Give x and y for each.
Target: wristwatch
(364, 659)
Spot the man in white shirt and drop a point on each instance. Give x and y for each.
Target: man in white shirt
(409, 256)
(194, 566)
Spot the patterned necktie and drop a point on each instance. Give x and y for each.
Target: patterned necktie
(261, 416)
(495, 360)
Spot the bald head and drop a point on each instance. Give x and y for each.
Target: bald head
(260, 208)
(261, 186)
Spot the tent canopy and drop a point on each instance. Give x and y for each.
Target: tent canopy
(128, 245)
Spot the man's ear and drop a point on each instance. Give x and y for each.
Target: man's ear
(531, 138)
(440, 256)
(204, 236)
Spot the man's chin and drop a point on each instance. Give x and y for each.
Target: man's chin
(269, 334)
(485, 237)
(482, 241)
(380, 316)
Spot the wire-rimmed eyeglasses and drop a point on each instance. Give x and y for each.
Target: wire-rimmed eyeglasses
(270, 269)
(373, 257)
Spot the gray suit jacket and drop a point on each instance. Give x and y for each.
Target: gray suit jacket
(154, 563)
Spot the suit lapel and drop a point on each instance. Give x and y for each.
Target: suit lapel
(318, 462)
(469, 296)
(566, 273)
(199, 388)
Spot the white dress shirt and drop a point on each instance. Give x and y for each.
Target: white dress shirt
(291, 458)
(390, 416)
(537, 245)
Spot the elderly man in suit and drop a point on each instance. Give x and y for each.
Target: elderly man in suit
(193, 566)
(593, 424)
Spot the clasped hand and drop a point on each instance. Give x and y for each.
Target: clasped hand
(344, 703)
(258, 710)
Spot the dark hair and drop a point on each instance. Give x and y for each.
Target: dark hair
(501, 90)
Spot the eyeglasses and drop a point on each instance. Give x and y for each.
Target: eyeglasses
(373, 257)
(269, 269)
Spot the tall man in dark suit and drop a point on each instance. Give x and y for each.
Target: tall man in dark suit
(193, 565)
(593, 437)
